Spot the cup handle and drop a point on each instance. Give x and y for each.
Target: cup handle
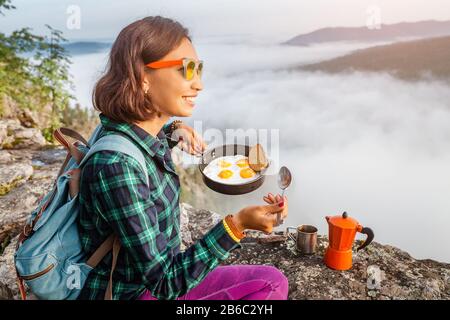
(289, 234)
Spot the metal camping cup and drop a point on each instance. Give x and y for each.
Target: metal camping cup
(305, 239)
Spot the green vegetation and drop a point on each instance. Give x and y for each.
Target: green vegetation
(82, 120)
(12, 144)
(7, 187)
(34, 73)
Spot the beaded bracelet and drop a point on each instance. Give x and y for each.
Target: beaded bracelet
(230, 233)
(173, 125)
(238, 234)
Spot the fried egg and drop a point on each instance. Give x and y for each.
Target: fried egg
(230, 170)
(224, 164)
(242, 163)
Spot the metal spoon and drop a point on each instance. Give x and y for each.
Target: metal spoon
(284, 181)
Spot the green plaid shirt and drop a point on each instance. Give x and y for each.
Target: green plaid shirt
(114, 198)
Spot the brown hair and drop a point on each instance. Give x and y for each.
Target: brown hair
(119, 93)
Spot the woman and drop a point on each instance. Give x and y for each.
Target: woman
(153, 75)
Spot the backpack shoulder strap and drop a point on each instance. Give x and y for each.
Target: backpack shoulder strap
(119, 143)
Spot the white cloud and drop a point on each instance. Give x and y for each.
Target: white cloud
(369, 144)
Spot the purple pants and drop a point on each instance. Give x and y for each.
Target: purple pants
(237, 282)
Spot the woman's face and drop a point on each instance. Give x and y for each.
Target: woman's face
(168, 88)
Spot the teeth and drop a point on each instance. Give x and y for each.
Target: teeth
(190, 99)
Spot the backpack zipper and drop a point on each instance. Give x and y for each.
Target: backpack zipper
(39, 274)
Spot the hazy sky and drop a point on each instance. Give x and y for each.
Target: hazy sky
(280, 18)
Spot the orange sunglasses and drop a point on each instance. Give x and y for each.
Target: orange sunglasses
(189, 66)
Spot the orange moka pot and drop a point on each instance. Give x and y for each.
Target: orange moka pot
(342, 231)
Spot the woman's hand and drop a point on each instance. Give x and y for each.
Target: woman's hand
(270, 199)
(189, 140)
(262, 218)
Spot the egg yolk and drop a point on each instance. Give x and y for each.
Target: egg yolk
(224, 164)
(225, 174)
(247, 173)
(242, 163)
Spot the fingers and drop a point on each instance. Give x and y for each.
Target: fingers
(267, 200)
(200, 148)
(200, 145)
(204, 145)
(273, 208)
(189, 147)
(284, 213)
(186, 147)
(193, 144)
(273, 213)
(196, 144)
(190, 141)
(277, 209)
(271, 199)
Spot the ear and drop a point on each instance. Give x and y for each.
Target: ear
(146, 84)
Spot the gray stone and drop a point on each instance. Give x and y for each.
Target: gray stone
(200, 221)
(40, 117)
(3, 133)
(16, 206)
(186, 240)
(4, 125)
(8, 283)
(35, 118)
(5, 156)
(310, 278)
(53, 156)
(12, 174)
(19, 137)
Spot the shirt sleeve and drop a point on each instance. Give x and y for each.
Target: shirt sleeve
(122, 199)
(168, 132)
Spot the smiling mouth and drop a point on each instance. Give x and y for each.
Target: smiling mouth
(190, 100)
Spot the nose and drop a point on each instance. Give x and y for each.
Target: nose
(197, 83)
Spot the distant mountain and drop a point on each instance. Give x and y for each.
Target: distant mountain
(392, 32)
(86, 47)
(410, 60)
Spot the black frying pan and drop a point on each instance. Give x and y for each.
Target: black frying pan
(222, 151)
